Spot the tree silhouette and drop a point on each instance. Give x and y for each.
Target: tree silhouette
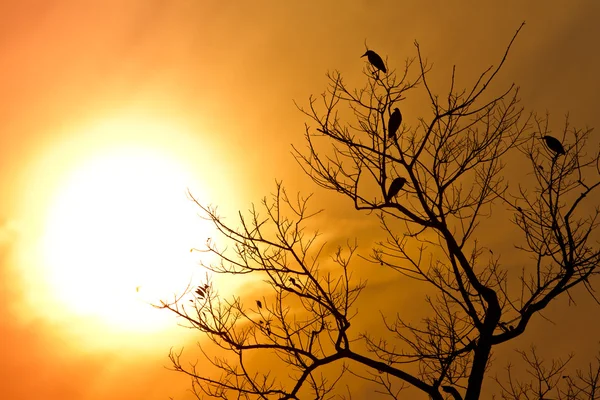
(298, 342)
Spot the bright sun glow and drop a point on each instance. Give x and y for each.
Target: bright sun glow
(118, 235)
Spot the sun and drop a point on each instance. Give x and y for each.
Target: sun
(107, 224)
(117, 237)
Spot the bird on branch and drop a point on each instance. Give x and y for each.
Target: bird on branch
(395, 187)
(375, 60)
(554, 144)
(201, 292)
(258, 303)
(394, 123)
(295, 283)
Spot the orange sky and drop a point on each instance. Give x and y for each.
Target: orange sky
(216, 82)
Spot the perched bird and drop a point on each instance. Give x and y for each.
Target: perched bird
(375, 60)
(503, 326)
(554, 144)
(258, 304)
(394, 123)
(295, 283)
(201, 292)
(395, 187)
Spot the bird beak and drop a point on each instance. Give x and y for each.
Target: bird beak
(363, 55)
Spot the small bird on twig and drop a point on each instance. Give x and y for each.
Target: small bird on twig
(375, 60)
(258, 304)
(295, 283)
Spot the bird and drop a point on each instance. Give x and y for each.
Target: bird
(201, 292)
(295, 283)
(375, 60)
(395, 187)
(503, 326)
(258, 304)
(554, 144)
(394, 123)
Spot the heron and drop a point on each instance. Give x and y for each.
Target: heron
(554, 144)
(375, 60)
(258, 304)
(395, 187)
(394, 123)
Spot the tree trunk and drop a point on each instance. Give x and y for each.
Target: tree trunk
(480, 359)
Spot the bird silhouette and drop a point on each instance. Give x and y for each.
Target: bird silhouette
(394, 123)
(554, 144)
(295, 283)
(201, 292)
(258, 304)
(375, 60)
(395, 187)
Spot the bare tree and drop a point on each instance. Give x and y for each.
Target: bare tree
(432, 183)
(548, 380)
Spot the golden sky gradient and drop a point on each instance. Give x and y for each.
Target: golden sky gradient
(205, 90)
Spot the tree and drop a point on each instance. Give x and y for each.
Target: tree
(452, 167)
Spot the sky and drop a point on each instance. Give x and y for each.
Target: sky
(200, 95)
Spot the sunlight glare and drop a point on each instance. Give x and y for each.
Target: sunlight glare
(118, 236)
